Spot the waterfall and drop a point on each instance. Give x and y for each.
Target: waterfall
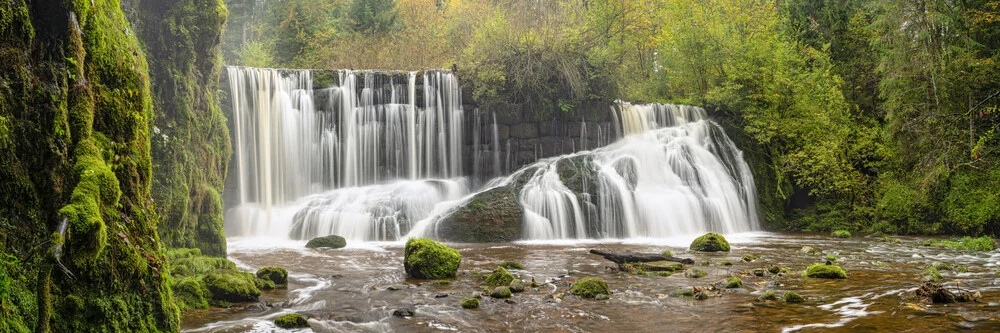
(360, 156)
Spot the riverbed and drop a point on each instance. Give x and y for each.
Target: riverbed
(358, 288)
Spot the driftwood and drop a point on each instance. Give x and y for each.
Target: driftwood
(631, 257)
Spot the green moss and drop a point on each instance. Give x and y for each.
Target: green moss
(750, 257)
(710, 242)
(427, 259)
(191, 293)
(841, 234)
(695, 273)
(734, 282)
(470, 303)
(332, 241)
(95, 195)
(941, 266)
(663, 273)
(590, 287)
(768, 296)
(682, 293)
(984, 243)
(232, 286)
(500, 292)
(499, 277)
(792, 297)
(667, 253)
(277, 275)
(193, 266)
(512, 265)
(291, 321)
(931, 274)
(824, 271)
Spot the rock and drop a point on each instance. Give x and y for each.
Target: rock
(695, 273)
(809, 250)
(601, 297)
(940, 266)
(512, 265)
(841, 234)
(734, 282)
(931, 274)
(792, 297)
(660, 266)
(470, 303)
(500, 292)
(427, 259)
(291, 321)
(768, 296)
(824, 271)
(682, 293)
(491, 216)
(274, 274)
(710, 242)
(667, 253)
(191, 293)
(440, 295)
(517, 286)
(332, 242)
(776, 269)
(232, 286)
(396, 287)
(403, 313)
(701, 295)
(499, 277)
(590, 287)
(750, 257)
(758, 272)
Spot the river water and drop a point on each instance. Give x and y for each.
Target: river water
(351, 289)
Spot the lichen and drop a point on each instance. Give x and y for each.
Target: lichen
(426, 259)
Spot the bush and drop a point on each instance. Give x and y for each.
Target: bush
(824, 271)
(427, 259)
(290, 321)
(274, 274)
(590, 287)
(710, 242)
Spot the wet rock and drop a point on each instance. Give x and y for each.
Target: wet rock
(809, 250)
(277, 275)
(492, 216)
(332, 242)
(768, 296)
(232, 286)
(440, 295)
(396, 287)
(509, 301)
(695, 273)
(590, 287)
(659, 266)
(940, 266)
(291, 321)
(601, 297)
(500, 292)
(682, 293)
(470, 303)
(710, 242)
(826, 271)
(734, 282)
(403, 312)
(499, 277)
(517, 286)
(750, 257)
(427, 259)
(337, 276)
(792, 297)
(701, 295)
(775, 269)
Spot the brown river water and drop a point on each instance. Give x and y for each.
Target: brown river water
(347, 290)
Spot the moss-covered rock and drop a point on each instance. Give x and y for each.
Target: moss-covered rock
(750, 257)
(499, 277)
(491, 216)
(590, 287)
(331, 241)
(291, 321)
(768, 296)
(840, 234)
(695, 273)
(232, 286)
(792, 297)
(512, 265)
(426, 259)
(500, 292)
(734, 282)
(710, 242)
(277, 275)
(931, 274)
(470, 303)
(809, 250)
(824, 271)
(191, 293)
(517, 286)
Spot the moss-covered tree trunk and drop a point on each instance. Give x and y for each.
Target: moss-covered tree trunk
(75, 116)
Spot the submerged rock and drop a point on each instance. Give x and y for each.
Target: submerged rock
(825, 271)
(590, 287)
(710, 242)
(291, 321)
(331, 241)
(427, 259)
(403, 313)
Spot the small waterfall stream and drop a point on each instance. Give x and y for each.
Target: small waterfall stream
(379, 156)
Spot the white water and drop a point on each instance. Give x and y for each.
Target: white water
(334, 153)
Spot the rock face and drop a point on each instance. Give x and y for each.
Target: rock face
(427, 259)
(332, 242)
(710, 242)
(493, 216)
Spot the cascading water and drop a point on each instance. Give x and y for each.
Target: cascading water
(355, 158)
(674, 172)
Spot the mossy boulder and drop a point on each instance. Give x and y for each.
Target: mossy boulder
(792, 297)
(230, 286)
(695, 273)
(330, 242)
(734, 282)
(710, 242)
(750, 257)
(512, 265)
(768, 296)
(841, 234)
(470, 303)
(492, 216)
(825, 271)
(517, 286)
(277, 275)
(190, 293)
(809, 250)
(590, 287)
(426, 259)
(501, 292)
(499, 277)
(291, 321)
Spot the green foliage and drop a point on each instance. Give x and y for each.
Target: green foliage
(372, 16)
(824, 271)
(512, 265)
(332, 241)
(710, 242)
(590, 287)
(277, 275)
(984, 243)
(291, 321)
(470, 303)
(427, 259)
(499, 277)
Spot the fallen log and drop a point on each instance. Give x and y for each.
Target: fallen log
(631, 257)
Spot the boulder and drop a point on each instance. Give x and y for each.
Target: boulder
(274, 274)
(517, 286)
(590, 287)
(710, 242)
(332, 241)
(825, 271)
(734, 282)
(492, 216)
(232, 286)
(792, 297)
(499, 277)
(500, 292)
(426, 259)
(470, 303)
(291, 321)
